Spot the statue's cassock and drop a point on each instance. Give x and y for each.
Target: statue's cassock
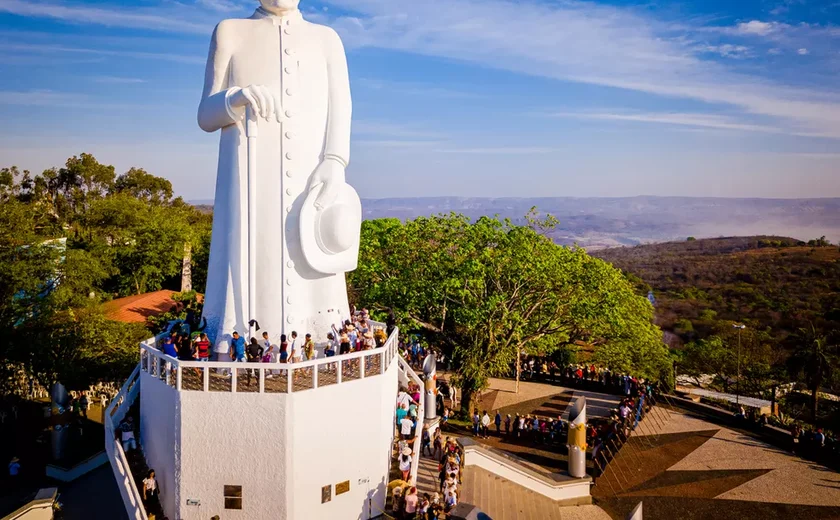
(305, 67)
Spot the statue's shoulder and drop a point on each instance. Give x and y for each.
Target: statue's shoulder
(325, 31)
(231, 27)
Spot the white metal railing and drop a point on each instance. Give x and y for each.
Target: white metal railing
(119, 463)
(418, 430)
(283, 378)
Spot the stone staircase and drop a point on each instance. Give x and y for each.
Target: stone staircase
(137, 461)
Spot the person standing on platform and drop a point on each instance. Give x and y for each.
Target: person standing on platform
(237, 348)
(254, 354)
(295, 353)
(309, 348)
(498, 422)
(405, 462)
(284, 349)
(202, 347)
(406, 425)
(485, 425)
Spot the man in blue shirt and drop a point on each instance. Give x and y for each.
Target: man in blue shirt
(237, 348)
(169, 347)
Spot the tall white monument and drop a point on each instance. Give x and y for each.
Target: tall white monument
(279, 250)
(275, 441)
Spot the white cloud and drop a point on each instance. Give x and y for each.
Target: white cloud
(117, 17)
(51, 98)
(758, 27)
(727, 50)
(672, 118)
(774, 51)
(802, 51)
(412, 89)
(117, 80)
(37, 48)
(392, 130)
(587, 43)
(502, 150)
(394, 143)
(220, 5)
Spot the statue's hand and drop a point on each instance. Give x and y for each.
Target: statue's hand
(330, 173)
(261, 99)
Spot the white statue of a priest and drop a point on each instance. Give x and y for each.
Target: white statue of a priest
(285, 223)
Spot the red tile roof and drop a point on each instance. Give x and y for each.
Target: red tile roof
(138, 308)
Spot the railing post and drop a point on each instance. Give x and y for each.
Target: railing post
(383, 367)
(178, 378)
(314, 376)
(261, 376)
(289, 374)
(339, 370)
(233, 374)
(205, 376)
(362, 362)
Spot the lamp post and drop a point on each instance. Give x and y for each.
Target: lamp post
(740, 327)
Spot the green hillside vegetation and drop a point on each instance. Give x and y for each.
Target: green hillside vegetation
(787, 293)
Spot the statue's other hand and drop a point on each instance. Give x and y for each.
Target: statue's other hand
(330, 173)
(262, 100)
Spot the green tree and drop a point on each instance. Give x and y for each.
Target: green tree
(77, 348)
(813, 361)
(144, 186)
(484, 291)
(144, 242)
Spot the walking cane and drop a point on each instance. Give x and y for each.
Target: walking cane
(251, 137)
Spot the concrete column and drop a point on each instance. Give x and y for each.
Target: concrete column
(577, 438)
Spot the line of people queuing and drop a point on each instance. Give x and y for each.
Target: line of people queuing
(580, 375)
(533, 428)
(607, 436)
(406, 502)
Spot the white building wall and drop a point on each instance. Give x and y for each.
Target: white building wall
(342, 433)
(234, 439)
(160, 424)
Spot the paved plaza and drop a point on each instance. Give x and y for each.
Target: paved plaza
(680, 465)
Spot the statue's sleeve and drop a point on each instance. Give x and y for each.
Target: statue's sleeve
(214, 111)
(340, 104)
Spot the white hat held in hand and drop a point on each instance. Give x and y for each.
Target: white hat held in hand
(329, 237)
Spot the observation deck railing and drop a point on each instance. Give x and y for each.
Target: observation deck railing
(265, 378)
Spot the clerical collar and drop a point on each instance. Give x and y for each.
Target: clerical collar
(277, 19)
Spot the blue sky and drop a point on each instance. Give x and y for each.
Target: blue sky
(460, 97)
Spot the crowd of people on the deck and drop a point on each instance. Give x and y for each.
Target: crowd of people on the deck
(351, 335)
(406, 501)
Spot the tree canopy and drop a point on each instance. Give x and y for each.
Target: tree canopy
(71, 238)
(486, 290)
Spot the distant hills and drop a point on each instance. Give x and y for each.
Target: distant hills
(597, 223)
(773, 284)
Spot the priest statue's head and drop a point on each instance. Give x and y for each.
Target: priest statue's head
(279, 6)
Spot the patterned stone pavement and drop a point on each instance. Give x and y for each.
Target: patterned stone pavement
(689, 468)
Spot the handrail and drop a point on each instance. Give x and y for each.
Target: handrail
(174, 367)
(418, 431)
(119, 462)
